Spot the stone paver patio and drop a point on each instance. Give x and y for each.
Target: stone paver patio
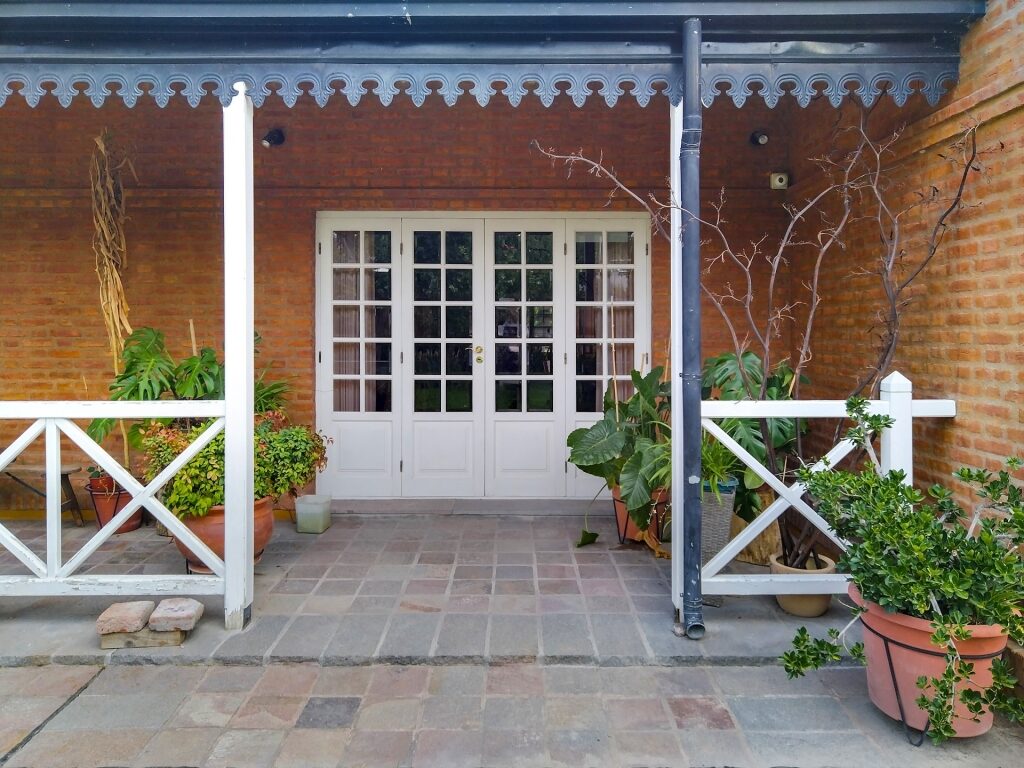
(444, 640)
(416, 589)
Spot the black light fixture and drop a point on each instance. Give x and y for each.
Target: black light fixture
(759, 138)
(274, 138)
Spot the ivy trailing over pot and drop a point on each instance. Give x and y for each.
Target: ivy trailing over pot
(924, 557)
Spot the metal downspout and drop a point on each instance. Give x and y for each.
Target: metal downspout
(689, 174)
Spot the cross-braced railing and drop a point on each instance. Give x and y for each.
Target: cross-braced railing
(897, 444)
(56, 576)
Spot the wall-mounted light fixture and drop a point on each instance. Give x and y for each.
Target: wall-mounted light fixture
(759, 138)
(274, 138)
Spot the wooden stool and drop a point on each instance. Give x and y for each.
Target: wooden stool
(70, 501)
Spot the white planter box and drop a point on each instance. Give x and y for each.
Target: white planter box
(312, 514)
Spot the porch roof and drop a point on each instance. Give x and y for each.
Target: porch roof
(601, 49)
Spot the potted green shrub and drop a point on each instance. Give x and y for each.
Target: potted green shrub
(286, 458)
(627, 427)
(108, 499)
(937, 589)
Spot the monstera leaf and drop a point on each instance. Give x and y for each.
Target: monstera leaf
(596, 445)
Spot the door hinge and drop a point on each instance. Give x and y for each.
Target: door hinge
(319, 357)
(647, 249)
(565, 248)
(401, 248)
(401, 358)
(567, 467)
(565, 358)
(401, 465)
(319, 248)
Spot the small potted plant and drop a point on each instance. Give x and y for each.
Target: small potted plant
(937, 589)
(287, 457)
(108, 499)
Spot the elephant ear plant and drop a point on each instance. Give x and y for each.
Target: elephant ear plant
(924, 556)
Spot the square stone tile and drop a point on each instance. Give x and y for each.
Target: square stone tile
(251, 748)
(221, 679)
(566, 637)
(514, 588)
(513, 637)
(462, 636)
(574, 713)
(409, 636)
(515, 680)
(23, 713)
(589, 749)
(84, 749)
(457, 681)
(286, 680)
(637, 714)
(383, 587)
(426, 587)
(517, 572)
(268, 712)
(342, 681)
(716, 748)
(471, 587)
(207, 710)
(522, 749)
(648, 748)
(774, 713)
(447, 749)
(453, 712)
(392, 682)
(389, 715)
(700, 712)
(312, 748)
(514, 713)
(109, 712)
(329, 712)
(179, 746)
(335, 587)
(485, 572)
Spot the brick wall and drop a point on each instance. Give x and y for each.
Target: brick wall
(964, 330)
(52, 344)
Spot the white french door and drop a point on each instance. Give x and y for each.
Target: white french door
(455, 353)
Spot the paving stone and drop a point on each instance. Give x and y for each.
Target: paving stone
(513, 637)
(207, 710)
(515, 713)
(55, 680)
(295, 586)
(229, 679)
(797, 748)
(518, 572)
(453, 712)
(329, 712)
(179, 746)
(697, 712)
(684, 681)
(515, 680)
(358, 637)
(574, 713)
(342, 681)
(375, 588)
(306, 748)
(566, 638)
(268, 712)
(409, 637)
(646, 748)
(286, 680)
(23, 713)
(176, 613)
(514, 749)
(396, 681)
(124, 617)
(389, 714)
(306, 639)
(447, 749)
(766, 713)
(768, 681)
(377, 749)
(89, 749)
(572, 680)
(252, 644)
(582, 749)
(457, 681)
(249, 748)
(717, 748)
(617, 637)
(125, 710)
(637, 714)
(337, 587)
(462, 636)
(558, 587)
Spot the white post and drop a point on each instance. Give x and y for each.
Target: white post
(238, 359)
(53, 505)
(676, 334)
(898, 440)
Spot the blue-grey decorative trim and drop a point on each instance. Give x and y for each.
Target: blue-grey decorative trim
(131, 81)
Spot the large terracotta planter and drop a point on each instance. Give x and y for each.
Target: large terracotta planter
(913, 655)
(624, 524)
(107, 502)
(807, 606)
(210, 530)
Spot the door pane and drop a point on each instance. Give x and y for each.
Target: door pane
(459, 285)
(538, 285)
(589, 360)
(588, 248)
(540, 396)
(507, 359)
(426, 322)
(346, 395)
(378, 396)
(508, 396)
(346, 322)
(459, 396)
(588, 285)
(427, 396)
(427, 359)
(507, 248)
(539, 322)
(620, 285)
(589, 397)
(508, 285)
(622, 356)
(378, 283)
(540, 247)
(458, 248)
(346, 359)
(538, 361)
(426, 284)
(378, 248)
(507, 322)
(588, 323)
(378, 359)
(620, 323)
(346, 247)
(458, 360)
(426, 248)
(620, 247)
(378, 322)
(459, 322)
(346, 285)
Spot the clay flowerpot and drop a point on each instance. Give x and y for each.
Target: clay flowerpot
(807, 606)
(913, 654)
(107, 502)
(210, 530)
(624, 524)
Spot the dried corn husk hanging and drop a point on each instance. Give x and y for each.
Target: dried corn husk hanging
(108, 241)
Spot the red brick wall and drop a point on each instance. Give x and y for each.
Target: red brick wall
(368, 158)
(964, 331)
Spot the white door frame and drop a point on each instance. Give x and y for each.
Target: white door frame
(400, 222)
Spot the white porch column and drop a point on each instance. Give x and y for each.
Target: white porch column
(898, 441)
(238, 359)
(676, 336)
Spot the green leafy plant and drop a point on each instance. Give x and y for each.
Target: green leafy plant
(149, 372)
(286, 458)
(924, 556)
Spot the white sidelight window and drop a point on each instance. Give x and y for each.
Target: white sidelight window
(455, 353)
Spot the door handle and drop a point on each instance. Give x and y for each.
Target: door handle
(477, 349)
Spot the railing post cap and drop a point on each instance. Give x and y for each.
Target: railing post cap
(896, 382)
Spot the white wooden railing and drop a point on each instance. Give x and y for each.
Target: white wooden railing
(897, 452)
(56, 576)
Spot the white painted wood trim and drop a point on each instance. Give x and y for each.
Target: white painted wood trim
(120, 409)
(15, 449)
(813, 409)
(53, 500)
(676, 340)
(16, 547)
(238, 358)
(776, 584)
(115, 585)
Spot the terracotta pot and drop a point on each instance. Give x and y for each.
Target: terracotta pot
(660, 527)
(916, 656)
(210, 530)
(807, 606)
(108, 502)
(101, 484)
(624, 524)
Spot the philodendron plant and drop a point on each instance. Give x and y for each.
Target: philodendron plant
(925, 557)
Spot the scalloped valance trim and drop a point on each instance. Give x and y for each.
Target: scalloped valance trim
(548, 83)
